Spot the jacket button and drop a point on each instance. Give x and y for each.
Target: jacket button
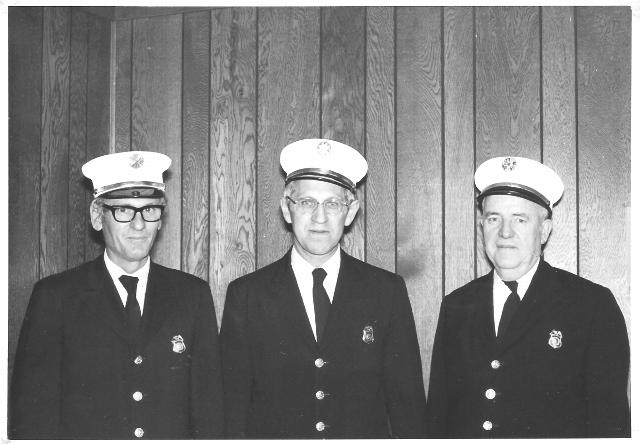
(137, 396)
(319, 362)
(139, 433)
(490, 393)
(495, 364)
(487, 425)
(320, 426)
(138, 360)
(319, 394)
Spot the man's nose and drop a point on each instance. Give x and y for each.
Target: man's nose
(137, 223)
(505, 230)
(319, 214)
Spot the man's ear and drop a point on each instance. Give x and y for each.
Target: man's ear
(96, 214)
(351, 213)
(545, 230)
(285, 209)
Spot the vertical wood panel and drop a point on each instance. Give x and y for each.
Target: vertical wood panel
(559, 129)
(121, 97)
(233, 145)
(507, 88)
(419, 154)
(343, 88)
(288, 110)
(24, 94)
(195, 143)
(380, 216)
(459, 192)
(156, 116)
(78, 211)
(54, 161)
(98, 79)
(604, 83)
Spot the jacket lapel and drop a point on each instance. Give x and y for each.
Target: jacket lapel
(535, 303)
(102, 299)
(285, 302)
(158, 304)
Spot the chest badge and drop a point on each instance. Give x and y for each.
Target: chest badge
(367, 334)
(178, 344)
(555, 339)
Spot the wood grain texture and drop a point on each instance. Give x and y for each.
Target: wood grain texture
(507, 89)
(54, 155)
(157, 116)
(459, 189)
(78, 213)
(419, 157)
(24, 96)
(343, 89)
(233, 148)
(195, 143)
(98, 114)
(604, 82)
(559, 129)
(288, 110)
(121, 87)
(380, 200)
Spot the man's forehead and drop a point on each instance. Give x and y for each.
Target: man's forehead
(134, 202)
(309, 186)
(504, 202)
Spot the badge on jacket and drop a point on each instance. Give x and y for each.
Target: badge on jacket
(555, 339)
(367, 334)
(178, 344)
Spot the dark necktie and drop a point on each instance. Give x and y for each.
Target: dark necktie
(131, 308)
(321, 302)
(510, 307)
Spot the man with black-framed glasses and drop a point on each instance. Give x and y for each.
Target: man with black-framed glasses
(320, 344)
(120, 347)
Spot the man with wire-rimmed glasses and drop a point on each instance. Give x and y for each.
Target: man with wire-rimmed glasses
(119, 347)
(320, 344)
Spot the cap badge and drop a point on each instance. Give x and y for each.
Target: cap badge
(323, 148)
(508, 164)
(367, 334)
(136, 160)
(555, 339)
(178, 344)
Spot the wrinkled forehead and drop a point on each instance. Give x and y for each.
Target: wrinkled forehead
(503, 203)
(135, 202)
(318, 189)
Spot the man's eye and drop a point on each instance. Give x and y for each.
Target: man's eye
(122, 210)
(307, 203)
(332, 205)
(148, 209)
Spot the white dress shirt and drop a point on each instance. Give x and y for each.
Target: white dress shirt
(142, 274)
(303, 271)
(501, 292)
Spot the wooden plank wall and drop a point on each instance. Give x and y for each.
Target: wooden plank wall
(425, 93)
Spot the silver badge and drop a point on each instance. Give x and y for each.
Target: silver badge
(367, 334)
(508, 164)
(136, 160)
(323, 148)
(178, 344)
(555, 339)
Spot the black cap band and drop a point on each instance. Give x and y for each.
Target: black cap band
(322, 175)
(512, 189)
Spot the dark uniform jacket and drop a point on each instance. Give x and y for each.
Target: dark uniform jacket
(77, 365)
(560, 371)
(363, 378)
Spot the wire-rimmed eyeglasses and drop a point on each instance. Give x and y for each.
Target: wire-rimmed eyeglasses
(126, 213)
(308, 205)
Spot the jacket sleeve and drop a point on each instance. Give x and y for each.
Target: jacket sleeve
(207, 412)
(236, 362)
(35, 394)
(437, 397)
(607, 372)
(403, 370)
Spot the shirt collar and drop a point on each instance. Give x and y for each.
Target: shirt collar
(331, 266)
(116, 271)
(523, 282)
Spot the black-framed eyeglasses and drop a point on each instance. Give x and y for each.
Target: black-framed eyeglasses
(308, 205)
(126, 213)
